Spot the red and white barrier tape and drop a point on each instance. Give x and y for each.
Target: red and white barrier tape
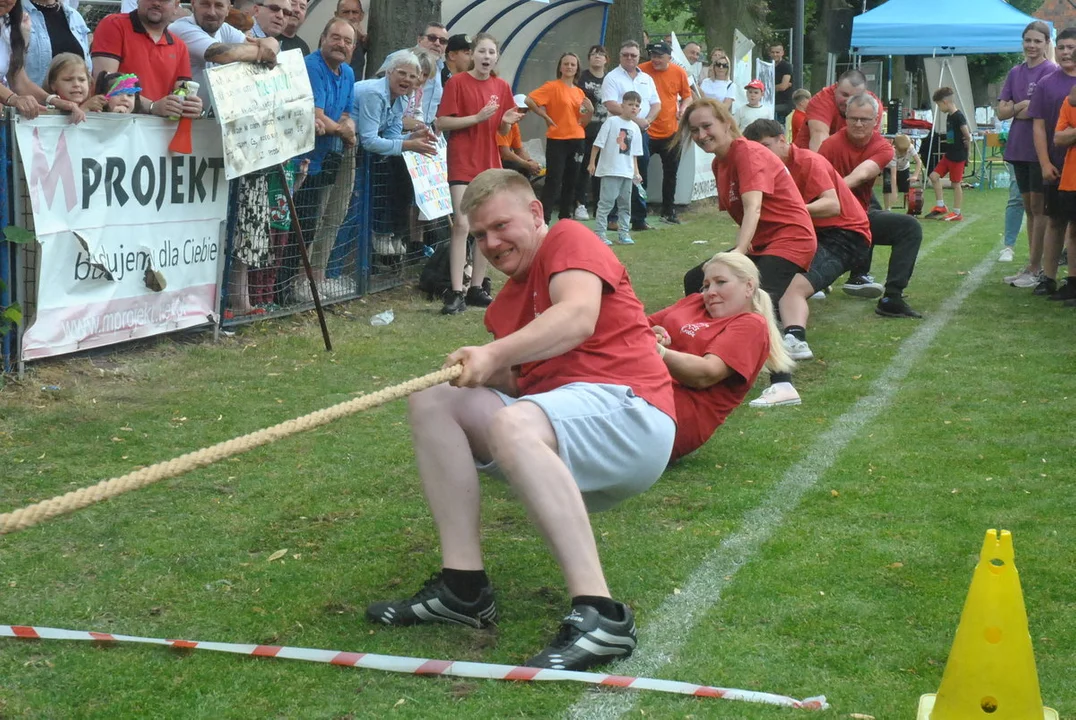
(423, 666)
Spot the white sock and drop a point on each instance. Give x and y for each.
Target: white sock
(956, 211)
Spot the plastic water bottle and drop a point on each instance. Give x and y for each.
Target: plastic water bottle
(642, 191)
(382, 318)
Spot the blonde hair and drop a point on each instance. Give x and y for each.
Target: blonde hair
(902, 143)
(722, 113)
(493, 182)
(711, 71)
(741, 266)
(57, 66)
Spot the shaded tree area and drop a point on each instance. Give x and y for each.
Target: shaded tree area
(392, 26)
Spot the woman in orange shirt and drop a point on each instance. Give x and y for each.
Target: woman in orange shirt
(566, 110)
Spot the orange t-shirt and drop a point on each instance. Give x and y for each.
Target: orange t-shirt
(562, 102)
(1066, 120)
(672, 86)
(512, 140)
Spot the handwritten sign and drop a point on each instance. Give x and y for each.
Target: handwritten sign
(266, 114)
(429, 175)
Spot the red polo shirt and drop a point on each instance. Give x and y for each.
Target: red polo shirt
(158, 65)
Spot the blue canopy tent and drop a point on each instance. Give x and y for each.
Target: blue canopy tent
(934, 27)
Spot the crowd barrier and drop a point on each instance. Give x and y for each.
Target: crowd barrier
(204, 260)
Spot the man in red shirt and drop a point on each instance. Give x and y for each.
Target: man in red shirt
(675, 93)
(570, 403)
(859, 153)
(139, 42)
(840, 222)
(826, 110)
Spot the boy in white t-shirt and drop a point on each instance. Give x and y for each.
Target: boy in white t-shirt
(753, 110)
(620, 141)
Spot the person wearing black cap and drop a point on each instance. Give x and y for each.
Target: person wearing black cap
(674, 91)
(457, 56)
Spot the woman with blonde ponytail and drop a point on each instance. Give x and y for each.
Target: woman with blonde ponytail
(715, 343)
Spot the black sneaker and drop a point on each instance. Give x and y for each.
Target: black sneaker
(641, 227)
(588, 639)
(895, 307)
(863, 286)
(1046, 286)
(1067, 291)
(436, 603)
(454, 303)
(478, 297)
(671, 219)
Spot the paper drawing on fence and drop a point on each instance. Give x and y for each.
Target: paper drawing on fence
(266, 114)
(429, 175)
(130, 234)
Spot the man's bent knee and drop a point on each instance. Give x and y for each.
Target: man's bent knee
(518, 426)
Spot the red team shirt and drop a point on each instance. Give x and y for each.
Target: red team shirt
(621, 350)
(814, 175)
(846, 157)
(784, 228)
(473, 149)
(823, 107)
(741, 341)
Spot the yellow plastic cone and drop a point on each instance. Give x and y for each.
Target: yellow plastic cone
(990, 674)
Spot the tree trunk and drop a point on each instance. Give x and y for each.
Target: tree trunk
(625, 23)
(722, 18)
(820, 43)
(392, 26)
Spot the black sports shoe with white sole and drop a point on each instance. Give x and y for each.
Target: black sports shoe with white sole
(436, 603)
(588, 639)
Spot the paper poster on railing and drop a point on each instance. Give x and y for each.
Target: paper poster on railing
(429, 175)
(130, 235)
(266, 114)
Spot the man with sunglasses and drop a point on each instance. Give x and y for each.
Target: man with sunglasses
(270, 17)
(433, 37)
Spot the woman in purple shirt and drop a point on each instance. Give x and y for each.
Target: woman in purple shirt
(1013, 103)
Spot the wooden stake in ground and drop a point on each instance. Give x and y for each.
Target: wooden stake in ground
(301, 242)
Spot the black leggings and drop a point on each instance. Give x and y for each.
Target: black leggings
(562, 168)
(670, 165)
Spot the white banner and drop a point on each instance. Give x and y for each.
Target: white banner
(266, 114)
(130, 234)
(742, 47)
(764, 72)
(429, 176)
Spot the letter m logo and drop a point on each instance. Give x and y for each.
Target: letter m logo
(44, 178)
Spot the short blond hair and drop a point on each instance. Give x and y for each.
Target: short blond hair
(492, 182)
(902, 143)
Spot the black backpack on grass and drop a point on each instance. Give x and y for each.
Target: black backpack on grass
(436, 278)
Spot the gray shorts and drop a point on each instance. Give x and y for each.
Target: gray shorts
(615, 444)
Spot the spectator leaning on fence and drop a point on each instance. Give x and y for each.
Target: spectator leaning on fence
(139, 42)
(55, 29)
(211, 41)
(378, 107)
(289, 40)
(323, 201)
(351, 10)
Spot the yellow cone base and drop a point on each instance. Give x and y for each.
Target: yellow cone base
(926, 706)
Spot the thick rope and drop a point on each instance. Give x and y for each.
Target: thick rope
(77, 499)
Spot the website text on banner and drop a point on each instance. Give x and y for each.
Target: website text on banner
(429, 175)
(266, 114)
(130, 234)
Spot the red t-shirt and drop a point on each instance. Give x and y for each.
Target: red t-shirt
(846, 157)
(799, 118)
(158, 65)
(741, 341)
(473, 149)
(823, 108)
(621, 350)
(814, 175)
(785, 228)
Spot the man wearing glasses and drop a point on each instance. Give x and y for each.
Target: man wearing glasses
(433, 37)
(627, 76)
(270, 18)
(859, 152)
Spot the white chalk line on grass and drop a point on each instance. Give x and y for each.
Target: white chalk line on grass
(672, 623)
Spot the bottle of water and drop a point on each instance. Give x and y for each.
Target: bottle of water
(1002, 178)
(642, 191)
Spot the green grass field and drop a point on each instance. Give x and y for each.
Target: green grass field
(826, 548)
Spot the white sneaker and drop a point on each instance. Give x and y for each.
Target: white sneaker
(1009, 279)
(797, 349)
(581, 213)
(1006, 255)
(1027, 280)
(820, 295)
(383, 244)
(781, 393)
(400, 247)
